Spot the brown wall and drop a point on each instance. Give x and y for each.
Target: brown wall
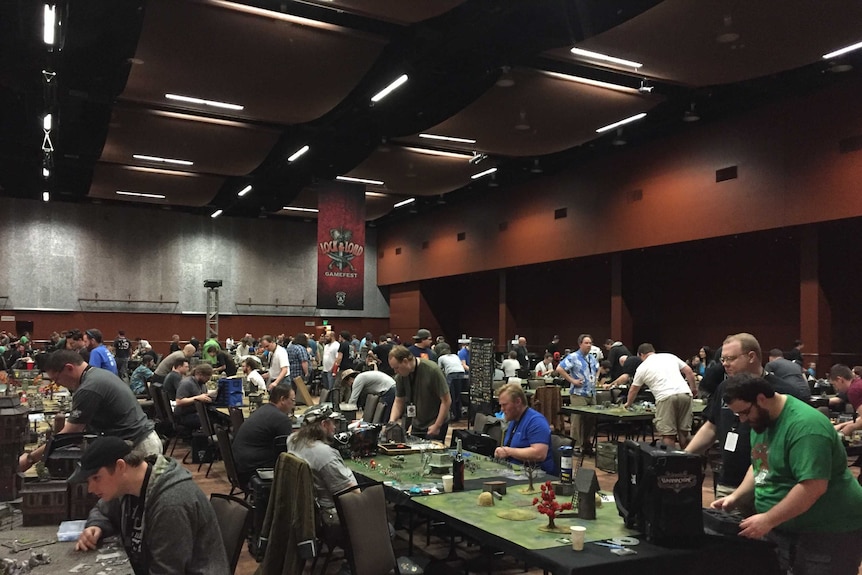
(790, 173)
(158, 328)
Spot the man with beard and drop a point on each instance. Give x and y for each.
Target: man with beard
(740, 354)
(805, 497)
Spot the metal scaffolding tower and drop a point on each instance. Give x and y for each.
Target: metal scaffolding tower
(212, 307)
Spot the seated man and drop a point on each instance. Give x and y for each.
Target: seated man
(142, 374)
(163, 519)
(528, 435)
(311, 443)
(250, 366)
(193, 389)
(172, 381)
(847, 382)
(254, 446)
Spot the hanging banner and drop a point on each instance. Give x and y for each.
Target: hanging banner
(340, 246)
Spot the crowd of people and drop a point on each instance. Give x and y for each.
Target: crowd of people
(783, 466)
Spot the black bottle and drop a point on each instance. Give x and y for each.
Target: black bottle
(458, 468)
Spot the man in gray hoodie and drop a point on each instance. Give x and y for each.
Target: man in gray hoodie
(164, 521)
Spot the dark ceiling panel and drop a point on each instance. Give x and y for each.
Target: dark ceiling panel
(179, 188)
(215, 146)
(396, 11)
(718, 42)
(281, 71)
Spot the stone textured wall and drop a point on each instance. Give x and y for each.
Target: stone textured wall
(57, 254)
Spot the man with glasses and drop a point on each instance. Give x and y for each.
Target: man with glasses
(102, 404)
(579, 369)
(740, 354)
(805, 497)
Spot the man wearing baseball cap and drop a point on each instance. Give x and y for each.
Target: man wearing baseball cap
(164, 521)
(331, 475)
(421, 347)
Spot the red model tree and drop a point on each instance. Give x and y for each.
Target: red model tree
(547, 504)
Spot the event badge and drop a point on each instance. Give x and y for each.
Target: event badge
(730, 441)
(411, 410)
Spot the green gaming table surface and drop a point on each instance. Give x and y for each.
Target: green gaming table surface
(526, 533)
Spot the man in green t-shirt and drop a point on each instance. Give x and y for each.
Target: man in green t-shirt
(421, 393)
(807, 500)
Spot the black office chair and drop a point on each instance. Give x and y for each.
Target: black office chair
(208, 432)
(233, 516)
(226, 452)
(236, 419)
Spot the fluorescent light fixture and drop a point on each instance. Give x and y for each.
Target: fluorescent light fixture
(374, 195)
(48, 24)
(359, 180)
(591, 82)
(46, 196)
(161, 171)
(404, 202)
(141, 195)
(216, 214)
(162, 160)
(244, 191)
(604, 58)
(202, 102)
(388, 89)
(46, 172)
(47, 122)
(448, 138)
(629, 120)
(295, 209)
(430, 152)
(487, 172)
(841, 51)
(295, 156)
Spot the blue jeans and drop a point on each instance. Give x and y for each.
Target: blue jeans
(456, 385)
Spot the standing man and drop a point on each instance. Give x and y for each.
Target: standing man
(99, 354)
(845, 381)
(342, 358)
(102, 403)
(528, 435)
(615, 350)
(663, 373)
(805, 497)
(579, 369)
(278, 361)
(172, 381)
(175, 343)
(421, 347)
(297, 357)
(464, 353)
(421, 393)
(740, 353)
(795, 354)
(522, 353)
(164, 521)
(254, 445)
(123, 352)
(554, 346)
(384, 346)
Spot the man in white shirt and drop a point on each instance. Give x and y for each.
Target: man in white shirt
(511, 365)
(372, 381)
(545, 368)
(278, 362)
(663, 373)
(255, 379)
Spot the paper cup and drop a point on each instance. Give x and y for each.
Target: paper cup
(578, 533)
(448, 482)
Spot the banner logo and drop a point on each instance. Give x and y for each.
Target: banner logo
(341, 250)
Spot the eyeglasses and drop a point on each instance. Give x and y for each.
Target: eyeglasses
(745, 412)
(729, 359)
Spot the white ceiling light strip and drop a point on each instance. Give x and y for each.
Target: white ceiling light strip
(202, 102)
(487, 172)
(141, 195)
(448, 138)
(244, 191)
(430, 152)
(296, 155)
(161, 160)
(591, 82)
(842, 51)
(404, 202)
(605, 58)
(388, 89)
(216, 214)
(48, 24)
(296, 209)
(628, 120)
(359, 180)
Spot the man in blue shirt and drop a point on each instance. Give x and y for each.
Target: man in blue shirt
(99, 354)
(528, 435)
(580, 369)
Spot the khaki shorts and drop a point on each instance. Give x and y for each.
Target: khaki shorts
(673, 414)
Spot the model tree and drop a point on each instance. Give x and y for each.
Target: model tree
(547, 504)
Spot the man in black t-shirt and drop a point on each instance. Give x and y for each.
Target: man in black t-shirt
(122, 353)
(254, 446)
(172, 381)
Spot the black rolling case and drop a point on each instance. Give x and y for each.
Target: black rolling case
(259, 499)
